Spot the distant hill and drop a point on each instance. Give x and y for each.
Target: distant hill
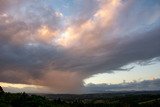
(123, 99)
(109, 94)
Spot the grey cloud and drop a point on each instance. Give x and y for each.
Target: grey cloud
(145, 85)
(126, 50)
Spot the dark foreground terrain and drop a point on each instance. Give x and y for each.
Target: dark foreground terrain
(116, 99)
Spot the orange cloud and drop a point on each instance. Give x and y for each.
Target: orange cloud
(63, 81)
(101, 20)
(46, 34)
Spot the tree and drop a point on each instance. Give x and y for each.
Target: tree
(1, 89)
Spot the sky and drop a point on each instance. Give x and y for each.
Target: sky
(79, 46)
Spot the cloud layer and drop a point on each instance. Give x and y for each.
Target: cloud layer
(146, 85)
(41, 46)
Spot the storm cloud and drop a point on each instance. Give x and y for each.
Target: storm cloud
(41, 46)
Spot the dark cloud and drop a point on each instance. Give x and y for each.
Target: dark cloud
(35, 47)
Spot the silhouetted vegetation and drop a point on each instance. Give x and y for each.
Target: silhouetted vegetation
(129, 100)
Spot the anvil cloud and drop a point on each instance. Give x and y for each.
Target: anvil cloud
(41, 46)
